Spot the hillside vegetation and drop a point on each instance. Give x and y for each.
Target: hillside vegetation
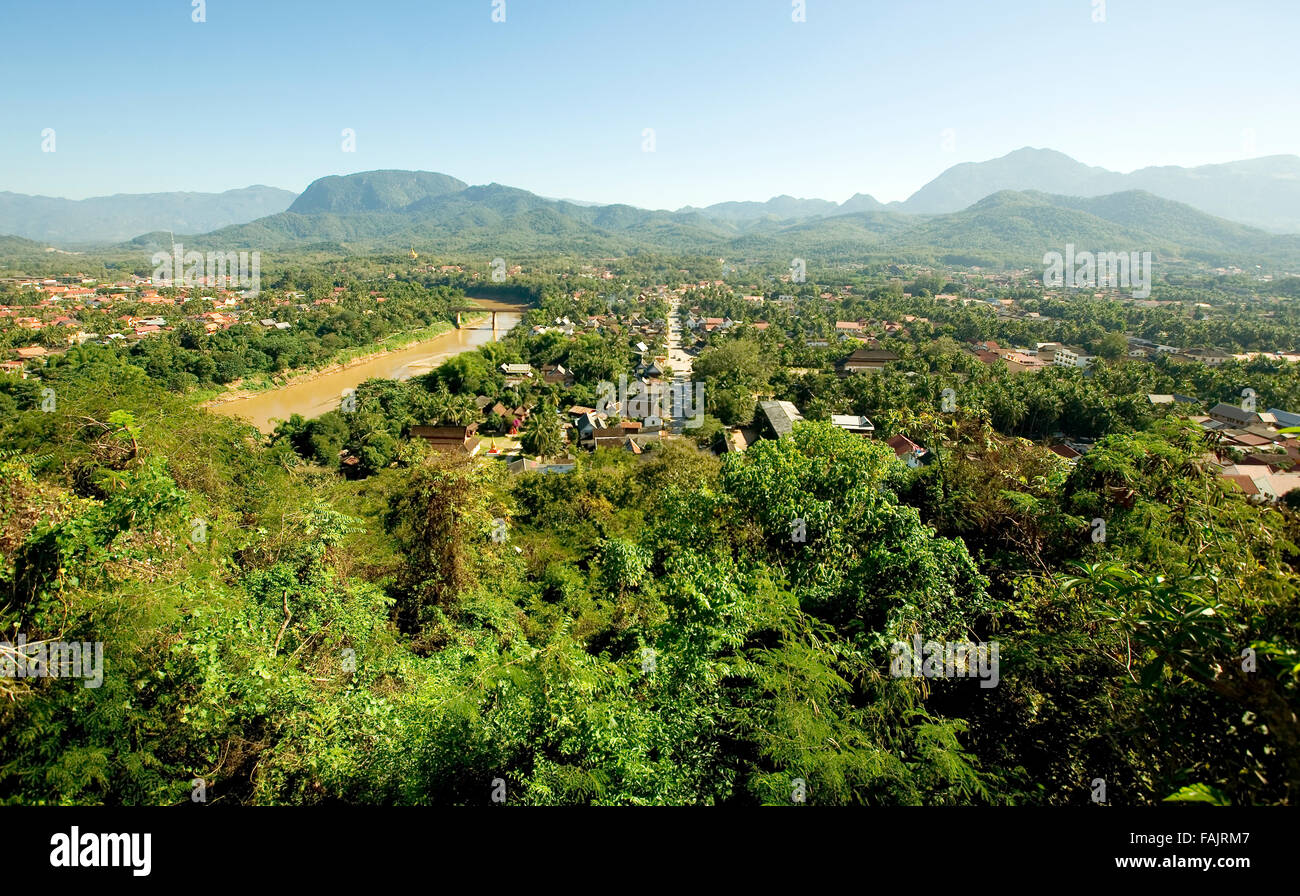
(647, 632)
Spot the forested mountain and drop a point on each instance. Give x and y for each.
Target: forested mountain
(1263, 193)
(389, 210)
(860, 202)
(106, 219)
(365, 211)
(17, 244)
(397, 210)
(373, 191)
(1020, 227)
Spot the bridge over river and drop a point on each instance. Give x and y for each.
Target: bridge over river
(478, 306)
(473, 310)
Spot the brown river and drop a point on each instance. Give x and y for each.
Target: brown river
(320, 394)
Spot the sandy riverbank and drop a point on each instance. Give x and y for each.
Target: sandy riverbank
(307, 376)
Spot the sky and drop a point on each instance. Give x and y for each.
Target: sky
(654, 103)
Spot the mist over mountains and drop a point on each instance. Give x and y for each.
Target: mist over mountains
(110, 219)
(1263, 193)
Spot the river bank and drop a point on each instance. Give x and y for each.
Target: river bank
(349, 357)
(317, 392)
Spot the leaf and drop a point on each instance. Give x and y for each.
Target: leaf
(1199, 793)
(1151, 674)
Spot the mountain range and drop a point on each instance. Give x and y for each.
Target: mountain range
(1007, 211)
(1263, 193)
(111, 219)
(385, 211)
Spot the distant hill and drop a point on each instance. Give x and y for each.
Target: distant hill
(111, 219)
(781, 208)
(1018, 228)
(860, 202)
(380, 209)
(1260, 192)
(19, 256)
(1024, 225)
(1044, 170)
(392, 210)
(18, 244)
(1263, 193)
(373, 191)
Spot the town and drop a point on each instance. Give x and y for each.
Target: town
(664, 329)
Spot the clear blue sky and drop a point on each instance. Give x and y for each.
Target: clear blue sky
(745, 103)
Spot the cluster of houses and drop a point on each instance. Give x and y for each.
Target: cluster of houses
(1042, 355)
(1055, 354)
(1210, 357)
(1251, 452)
(862, 330)
(776, 420)
(989, 290)
(593, 430)
(584, 426)
(57, 303)
(635, 324)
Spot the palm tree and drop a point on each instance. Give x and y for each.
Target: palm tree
(460, 410)
(542, 435)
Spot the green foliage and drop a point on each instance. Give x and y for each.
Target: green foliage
(644, 630)
(542, 435)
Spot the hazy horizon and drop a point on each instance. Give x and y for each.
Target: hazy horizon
(587, 201)
(744, 103)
